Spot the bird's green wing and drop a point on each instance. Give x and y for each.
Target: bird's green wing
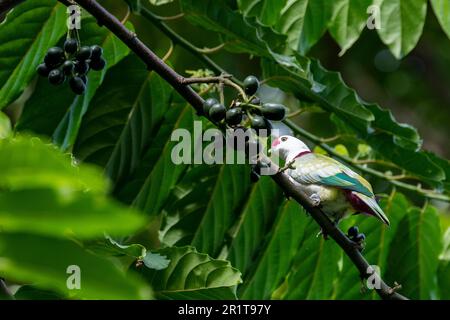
(320, 169)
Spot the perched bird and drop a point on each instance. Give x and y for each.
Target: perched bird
(329, 184)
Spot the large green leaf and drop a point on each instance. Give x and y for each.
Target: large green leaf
(315, 268)
(413, 258)
(302, 21)
(53, 213)
(29, 30)
(147, 114)
(45, 262)
(275, 259)
(30, 162)
(114, 51)
(193, 275)
(444, 268)
(402, 23)
(254, 223)
(164, 173)
(377, 246)
(350, 18)
(244, 35)
(5, 126)
(103, 123)
(442, 11)
(192, 218)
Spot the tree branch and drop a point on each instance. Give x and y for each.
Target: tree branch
(179, 84)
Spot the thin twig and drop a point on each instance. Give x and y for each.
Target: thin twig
(174, 79)
(225, 79)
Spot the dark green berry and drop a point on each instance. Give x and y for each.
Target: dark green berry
(68, 67)
(43, 70)
(353, 231)
(273, 111)
(97, 64)
(81, 67)
(233, 116)
(56, 77)
(251, 85)
(70, 46)
(260, 123)
(217, 112)
(96, 52)
(84, 53)
(77, 85)
(207, 104)
(54, 57)
(360, 238)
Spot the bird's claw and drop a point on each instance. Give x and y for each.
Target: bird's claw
(315, 199)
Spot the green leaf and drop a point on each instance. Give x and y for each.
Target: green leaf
(268, 11)
(315, 268)
(146, 115)
(105, 119)
(377, 246)
(30, 162)
(190, 217)
(155, 261)
(444, 268)
(244, 35)
(350, 18)
(303, 21)
(193, 275)
(402, 23)
(114, 51)
(59, 214)
(45, 261)
(254, 223)
(442, 11)
(5, 126)
(29, 30)
(164, 174)
(413, 258)
(28, 292)
(275, 259)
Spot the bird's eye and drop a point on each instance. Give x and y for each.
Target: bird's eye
(284, 139)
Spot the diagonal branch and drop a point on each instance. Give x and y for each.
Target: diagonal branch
(179, 84)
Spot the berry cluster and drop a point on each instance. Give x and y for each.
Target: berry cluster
(252, 111)
(73, 63)
(354, 235)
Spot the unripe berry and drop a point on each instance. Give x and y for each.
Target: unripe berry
(207, 104)
(96, 52)
(84, 53)
(68, 67)
(54, 57)
(217, 112)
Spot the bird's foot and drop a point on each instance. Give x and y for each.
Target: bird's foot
(315, 199)
(357, 239)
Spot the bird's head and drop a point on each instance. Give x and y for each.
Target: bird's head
(289, 147)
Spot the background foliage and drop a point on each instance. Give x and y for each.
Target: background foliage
(77, 168)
